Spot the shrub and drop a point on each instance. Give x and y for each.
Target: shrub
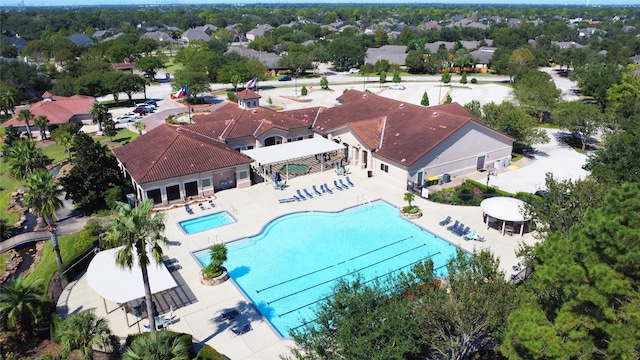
(114, 194)
(231, 96)
(209, 353)
(474, 81)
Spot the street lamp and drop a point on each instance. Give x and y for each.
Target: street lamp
(489, 173)
(296, 81)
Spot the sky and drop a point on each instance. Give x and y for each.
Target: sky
(28, 3)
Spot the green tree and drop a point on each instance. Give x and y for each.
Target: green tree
(463, 78)
(42, 122)
(24, 158)
(139, 231)
(324, 83)
(99, 111)
(619, 162)
(415, 62)
(536, 92)
(581, 120)
(42, 194)
(583, 292)
(304, 90)
(22, 306)
(396, 77)
(594, 79)
(110, 127)
(513, 121)
(217, 256)
(65, 139)
(448, 100)
(475, 108)
(84, 331)
(6, 230)
(346, 52)
(425, 99)
(8, 101)
(157, 346)
(383, 78)
(139, 126)
(381, 37)
(26, 116)
(446, 77)
(197, 82)
(625, 96)
(520, 60)
(95, 171)
(409, 197)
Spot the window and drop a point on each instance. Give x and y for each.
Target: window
(249, 147)
(206, 182)
(310, 136)
(384, 167)
(300, 138)
(243, 174)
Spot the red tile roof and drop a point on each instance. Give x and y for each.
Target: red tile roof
(247, 94)
(396, 130)
(59, 110)
(168, 151)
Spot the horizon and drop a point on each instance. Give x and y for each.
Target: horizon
(103, 3)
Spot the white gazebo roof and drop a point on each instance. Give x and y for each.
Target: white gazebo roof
(292, 150)
(123, 285)
(504, 208)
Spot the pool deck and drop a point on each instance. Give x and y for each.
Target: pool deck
(196, 307)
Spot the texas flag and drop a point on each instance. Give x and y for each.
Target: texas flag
(182, 92)
(252, 83)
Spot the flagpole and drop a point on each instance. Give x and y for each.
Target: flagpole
(188, 104)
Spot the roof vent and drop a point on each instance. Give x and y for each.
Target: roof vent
(401, 105)
(434, 114)
(364, 96)
(254, 111)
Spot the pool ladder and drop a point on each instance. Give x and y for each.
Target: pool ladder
(233, 208)
(364, 200)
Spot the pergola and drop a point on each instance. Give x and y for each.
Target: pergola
(120, 285)
(292, 150)
(505, 209)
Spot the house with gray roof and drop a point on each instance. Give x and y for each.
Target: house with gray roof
(194, 34)
(432, 24)
(207, 28)
(483, 55)
(567, 44)
(270, 60)
(258, 31)
(16, 41)
(158, 36)
(80, 39)
(394, 54)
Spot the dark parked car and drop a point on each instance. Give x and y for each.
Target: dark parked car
(140, 111)
(285, 78)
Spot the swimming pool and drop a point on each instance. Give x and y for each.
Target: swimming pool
(206, 222)
(294, 261)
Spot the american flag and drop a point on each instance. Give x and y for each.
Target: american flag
(252, 83)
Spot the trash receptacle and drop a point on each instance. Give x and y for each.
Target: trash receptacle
(370, 173)
(446, 178)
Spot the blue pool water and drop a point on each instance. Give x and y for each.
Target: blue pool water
(294, 261)
(206, 222)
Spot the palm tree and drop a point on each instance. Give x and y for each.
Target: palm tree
(42, 122)
(99, 110)
(8, 101)
(83, 331)
(5, 229)
(217, 257)
(42, 194)
(157, 346)
(140, 234)
(139, 125)
(409, 197)
(22, 305)
(24, 158)
(65, 139)
(26, 116)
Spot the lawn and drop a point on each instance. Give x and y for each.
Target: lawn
(54, 152)
(173, 67)
(7, 186)
(3, 265)
(122, 137)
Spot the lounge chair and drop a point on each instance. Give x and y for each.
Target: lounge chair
(349, 182)
(454, 226)
(201, 205)
(229, 314)
(296, 198)
(335, 183)
(315, 190)
(471, 236)
(211, 203)
(479, 238)
(238, 330)
(306, 192)
(283, 185)
(464, 231)
(300, 195)
(445, 221)
(326, 188)
(188, 209)
(343, 184)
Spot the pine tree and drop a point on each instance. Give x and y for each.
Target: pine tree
(425, 99)
(463, 79)
(448, 100)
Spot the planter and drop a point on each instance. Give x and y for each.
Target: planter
(214, 281)
(411, 216)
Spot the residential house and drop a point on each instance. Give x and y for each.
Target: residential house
(432, 24)
(58, 109)
(270, 60)
(158, 36)
(125, 65)
(193, 35)
(636, 59)
(402, 143)
(483, 55)
(80, 39)
(394, 54)
(567, 44)
(16, 41)
(207, 28)
(258, 31)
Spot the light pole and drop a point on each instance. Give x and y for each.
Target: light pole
(296, 81)
(439, 95)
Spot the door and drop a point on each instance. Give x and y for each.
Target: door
(420, 179)
(480, 164)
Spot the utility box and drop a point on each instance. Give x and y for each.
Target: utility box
(446, 178)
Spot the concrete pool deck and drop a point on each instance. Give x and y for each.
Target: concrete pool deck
(196, 307)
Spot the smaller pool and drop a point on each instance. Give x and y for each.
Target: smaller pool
(206, 222)
(294, 169)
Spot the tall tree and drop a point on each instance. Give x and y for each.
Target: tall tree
(26, 116)
(7, 101)
(584, 291)
(99, 111)
(381, 37)
(581, 120)
(520, 60)
(139, 232)
(157, 346)
(150, 65)
(536, 92)
(22, 306)
(197, 82)
(514, 121)
(42, 194)
(42, 122)
(594, 79)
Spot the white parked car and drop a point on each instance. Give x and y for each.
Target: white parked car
(124, 119)
(396, 87)
(133, 115)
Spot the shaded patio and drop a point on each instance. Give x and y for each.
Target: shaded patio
(505, 214)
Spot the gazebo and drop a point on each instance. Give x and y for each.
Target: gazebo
(509, 211)
(120, 285)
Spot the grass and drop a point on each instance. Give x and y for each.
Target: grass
(121, 138)
(8, 185)
(3, 265)
(55, 152)
(515, 157)
(71, 246)
(173, 67)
